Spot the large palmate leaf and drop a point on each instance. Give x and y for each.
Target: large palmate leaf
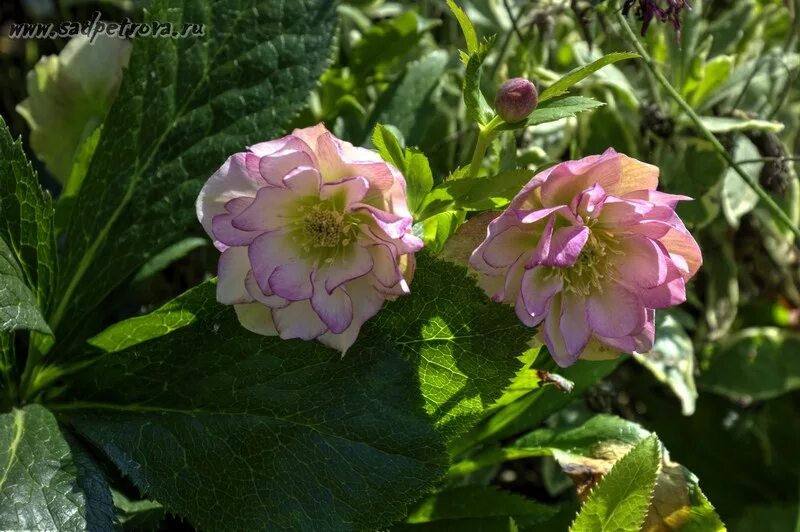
(18, 307)
(184, 106)
(26, 226)
(48, 482)
(241, 431)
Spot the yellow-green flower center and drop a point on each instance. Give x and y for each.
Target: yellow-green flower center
(323, 227)
(594, 266)
(324, 230)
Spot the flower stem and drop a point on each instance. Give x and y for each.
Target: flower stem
(776, 211)
(486, 135)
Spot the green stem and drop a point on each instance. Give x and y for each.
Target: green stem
(777, 212)
(486, 134)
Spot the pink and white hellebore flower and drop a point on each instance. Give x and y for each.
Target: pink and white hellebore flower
(315, 234)
(591, 249)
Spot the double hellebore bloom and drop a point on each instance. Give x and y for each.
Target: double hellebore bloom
(591, 249)
(315, 234)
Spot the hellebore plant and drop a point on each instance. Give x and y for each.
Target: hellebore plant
(591, 249)
(315, 234)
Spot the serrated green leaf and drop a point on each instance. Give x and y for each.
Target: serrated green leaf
(478, 110)
(437, 229)
(475, 508)
(620, 501)
(184, 106)
(755, 363)
(475, 193)
(48, 482)
(408, 103)
(297, 419)
(467, 28)
(389, 147)
(18, 306)
(555, 109)
(671, 360)
(571, 78)
(580, 441)
(26, 223)
(412, 164)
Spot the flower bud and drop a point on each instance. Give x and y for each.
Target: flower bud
(516, 99)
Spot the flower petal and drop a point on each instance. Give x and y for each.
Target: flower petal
(573, 324)
(615, 312)
(347, 191)
(274, 253)
(539, 286)
(298, 320)
(566, 245)
(272, 209)
(643, 263)
(353, 263)
(270, 300)
(275, 167)
(335, 308)
(225, 234)
(505, 248)
(232, 180)
(552, 336)
(366, 303)
(257, 318)
(231, 271)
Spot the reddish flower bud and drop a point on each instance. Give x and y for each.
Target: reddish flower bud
(516, 99)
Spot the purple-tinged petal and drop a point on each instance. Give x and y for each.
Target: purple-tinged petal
(303, 182)
(505, 248)
(272, 209)
(567, 179)
(355, 262)
(335, 309)
(573, 325)
(232, 180)
(385, 267)
(292, 280)
(615, 311)
(539, 286)
(566, 245)
(298, 320)
(366, 303)
(643, 263)
(275, 167)
(270, 300)
(347, 191)
(657, 197)
(393, 225)
(274, 250)
(671, 292)
(537, 215)
(231, 270)
(542, 250)
(225, 233)
(589, 203)
(553, 339)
